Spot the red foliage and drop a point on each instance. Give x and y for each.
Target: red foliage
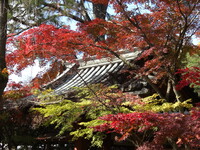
(56, 68)
(126, 31)
(105, 2)
(45, 42)
(180, 128)
(17, 91)
(189, 76)
(15, 85)
(161, 31)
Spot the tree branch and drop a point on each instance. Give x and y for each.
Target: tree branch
(64, 13)
(24, 22)
(133, 66)
(85, 14)
(135, 24)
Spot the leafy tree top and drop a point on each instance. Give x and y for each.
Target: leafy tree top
(163, 32)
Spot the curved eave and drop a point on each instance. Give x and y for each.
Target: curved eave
(88, 72)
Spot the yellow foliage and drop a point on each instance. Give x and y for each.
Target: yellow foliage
(151, 103)
(5, 72)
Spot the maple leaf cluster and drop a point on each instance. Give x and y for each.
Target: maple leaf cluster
(159, 32)
(177, 127)
(189, 76)
(17, 91)
(104, 2)
(44, 42)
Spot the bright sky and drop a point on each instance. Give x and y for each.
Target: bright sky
(28, 74)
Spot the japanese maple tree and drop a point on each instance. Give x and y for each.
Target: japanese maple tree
(149, 130)
(189, 76)
(160, 29)
(130, 116)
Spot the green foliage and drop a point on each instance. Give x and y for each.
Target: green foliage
(46, 95)
(151, 103)
(78, 117)
(88, 133)
(193, 61)
(63, 114)
(94, 101)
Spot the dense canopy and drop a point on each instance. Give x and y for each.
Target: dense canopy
(161, 31)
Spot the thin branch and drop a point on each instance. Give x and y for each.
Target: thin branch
(135, 24)
(187, 24)
(85, 13)
(24, 22)
(64, 13)
(133, 66)
(98, 99)
(168, 89)
(196, 16)
(176, 92)
(179, 8)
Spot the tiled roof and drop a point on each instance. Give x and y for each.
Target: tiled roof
(91, 72)
(89, 75)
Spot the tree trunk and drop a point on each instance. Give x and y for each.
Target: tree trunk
(100, 10)
(3, 34)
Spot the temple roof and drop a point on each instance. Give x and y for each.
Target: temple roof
(91, 72)
(106, 70)
(89, 75)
